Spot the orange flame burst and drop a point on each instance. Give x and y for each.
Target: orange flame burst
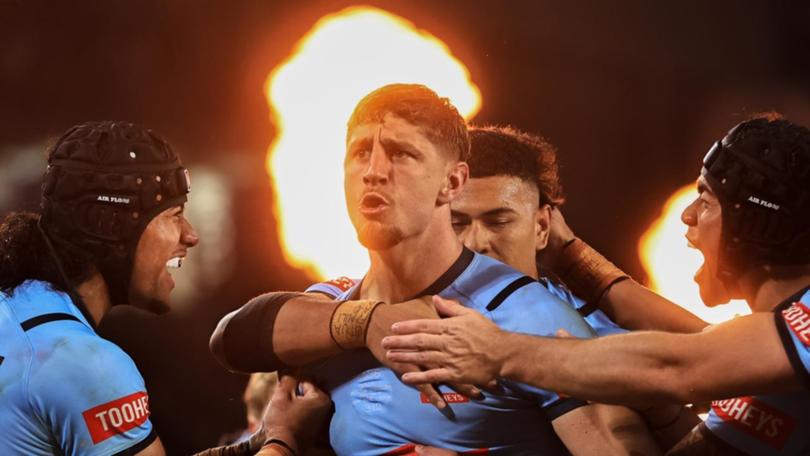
(312, 94)
(671, 266)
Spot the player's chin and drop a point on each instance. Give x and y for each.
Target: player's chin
(712, 292)
(378, 236)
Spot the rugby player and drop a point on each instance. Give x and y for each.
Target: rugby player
(750, 222)
(405, 163)
(506, 212)
(111, 225)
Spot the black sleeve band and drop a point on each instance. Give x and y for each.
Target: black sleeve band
(246, 341)
(790, 349)
(140, 446)
(562, 406)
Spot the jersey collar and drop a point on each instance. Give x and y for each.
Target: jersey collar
(445, 280)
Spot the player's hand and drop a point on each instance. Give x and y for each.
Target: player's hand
(380, 326)
(461, 349)
(559, 235)
(295, 418)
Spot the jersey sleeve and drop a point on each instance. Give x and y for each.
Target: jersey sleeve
(332, 288)
(793, 324)
(596, 319)
(90, 395)
(533, 310)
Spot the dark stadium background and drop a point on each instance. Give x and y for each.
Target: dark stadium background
(632, 93)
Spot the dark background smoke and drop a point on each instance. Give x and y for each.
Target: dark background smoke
(632, 93)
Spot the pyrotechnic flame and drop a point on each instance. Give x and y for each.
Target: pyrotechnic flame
(312, 94)
(671, 266)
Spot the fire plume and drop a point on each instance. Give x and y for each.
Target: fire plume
(671, 266)
(311, 96)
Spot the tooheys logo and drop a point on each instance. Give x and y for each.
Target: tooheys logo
(757, 419)
(116, 417)
(797, 317)
(450, 398)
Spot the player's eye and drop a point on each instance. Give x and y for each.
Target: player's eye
(498, 223)
(361, 153)
(460, 224)
(399, 154)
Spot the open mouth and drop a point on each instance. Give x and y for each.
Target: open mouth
(373, 202)
(175, 263)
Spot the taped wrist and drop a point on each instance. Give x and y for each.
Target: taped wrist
(247, 340)
(586, 272)
(349, 323)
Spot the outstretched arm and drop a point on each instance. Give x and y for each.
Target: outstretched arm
(277, 330)
(632, 369)
(631, 305)
(636, 307)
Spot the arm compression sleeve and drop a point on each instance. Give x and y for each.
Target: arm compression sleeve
(243, 339)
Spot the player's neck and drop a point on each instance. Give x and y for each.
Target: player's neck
(399, 273)
(764, 291)
(96, 297)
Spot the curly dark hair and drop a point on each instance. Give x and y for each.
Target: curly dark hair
(420, 106)
(507, 151)
(24, 256)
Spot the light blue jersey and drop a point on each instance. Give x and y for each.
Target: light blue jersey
(596, 319)
(773, 424)
(64, 389)
(333, 288)
(377, 414)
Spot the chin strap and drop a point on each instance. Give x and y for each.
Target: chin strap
(71, 291)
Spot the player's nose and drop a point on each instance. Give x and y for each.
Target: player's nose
(379, 167)
(189, 236)
(476, 238)
(689, 215)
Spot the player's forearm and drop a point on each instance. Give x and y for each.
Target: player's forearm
(275, 330)
(635, 307)
(301, 333)
(651, 367)
(632, 369)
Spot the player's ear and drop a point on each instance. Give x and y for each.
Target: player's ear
(456, 177)
(542, 226)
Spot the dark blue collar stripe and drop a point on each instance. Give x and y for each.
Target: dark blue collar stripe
(46, 318)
